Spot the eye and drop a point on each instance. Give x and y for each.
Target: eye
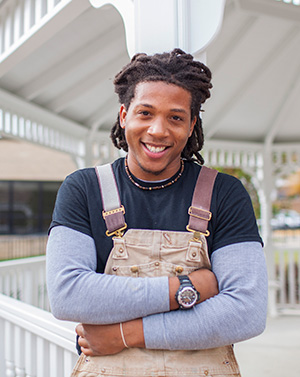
(177, 118)
(144, 113)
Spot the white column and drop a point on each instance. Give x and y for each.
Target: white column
(161, 25)
(188, 24)
(266, 216)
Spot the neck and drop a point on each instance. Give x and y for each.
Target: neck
(154, 187)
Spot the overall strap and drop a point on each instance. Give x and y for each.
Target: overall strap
(199, 211)
(113, 212)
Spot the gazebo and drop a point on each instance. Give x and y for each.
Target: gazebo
(58, 59)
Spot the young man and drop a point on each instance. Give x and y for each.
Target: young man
(160, 129)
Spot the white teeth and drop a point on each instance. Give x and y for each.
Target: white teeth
(155, 149)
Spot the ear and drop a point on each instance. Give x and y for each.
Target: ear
(123, 114)
(192, 126)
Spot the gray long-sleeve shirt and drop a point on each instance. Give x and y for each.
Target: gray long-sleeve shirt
(77, 293)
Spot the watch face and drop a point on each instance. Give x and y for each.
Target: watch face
(187, 297)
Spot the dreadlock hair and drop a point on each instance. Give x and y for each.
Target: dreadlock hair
(175, 67)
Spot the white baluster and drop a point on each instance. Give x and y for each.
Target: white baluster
(298, 287)
(282, 277)
(19, 352)
(37, 11)
(9, 349)
(21, 127)
(50, 5)
(28, 286)
(55, 360)
(1, 111)
(40, 134)
(69, 362)
(14, 128)
(221, 161)
(27, 16)
(17, 21)
(7, 288)
(2, 348)
(8, 33)
(1, 40)
(291, 278)
(34, 131)
(1, 284)
(42, 357)
(229, 161)
(30, 354)
(10, 368)
(14, 284)
(28, 132)
(7, 122)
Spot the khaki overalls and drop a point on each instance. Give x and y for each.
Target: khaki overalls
(141, 253)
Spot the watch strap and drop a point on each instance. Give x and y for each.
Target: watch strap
(185, 281)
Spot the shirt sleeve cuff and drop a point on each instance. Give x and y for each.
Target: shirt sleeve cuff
(157, 293)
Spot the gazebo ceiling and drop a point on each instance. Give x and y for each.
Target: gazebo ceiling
(255, 61)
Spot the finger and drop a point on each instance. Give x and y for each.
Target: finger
(79, 330)
(83, 342)
(87, 351)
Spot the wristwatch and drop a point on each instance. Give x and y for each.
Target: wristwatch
(187, 295)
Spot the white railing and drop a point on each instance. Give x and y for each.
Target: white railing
(22, 18)
(249, 156)
(33, 343)
(287, 270)
(25, 280)
(30, 122)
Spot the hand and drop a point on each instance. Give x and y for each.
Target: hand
(99, 340)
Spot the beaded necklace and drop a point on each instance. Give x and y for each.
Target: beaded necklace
(150, 188)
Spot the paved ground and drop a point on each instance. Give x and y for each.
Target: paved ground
(275, 353)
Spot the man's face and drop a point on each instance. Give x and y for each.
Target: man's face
(157, 126)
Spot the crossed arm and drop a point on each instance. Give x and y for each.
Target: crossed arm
(107, 339)
(77, 293)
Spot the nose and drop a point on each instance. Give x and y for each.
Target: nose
(158, 128)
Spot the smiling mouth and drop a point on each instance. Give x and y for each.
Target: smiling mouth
(154, 149)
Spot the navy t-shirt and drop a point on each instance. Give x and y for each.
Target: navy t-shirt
(79, 206)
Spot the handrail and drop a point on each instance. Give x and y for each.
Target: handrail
(34, 342)
(25, 280)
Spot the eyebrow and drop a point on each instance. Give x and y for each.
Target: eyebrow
(173, 110)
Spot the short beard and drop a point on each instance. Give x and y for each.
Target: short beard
(151, 171)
